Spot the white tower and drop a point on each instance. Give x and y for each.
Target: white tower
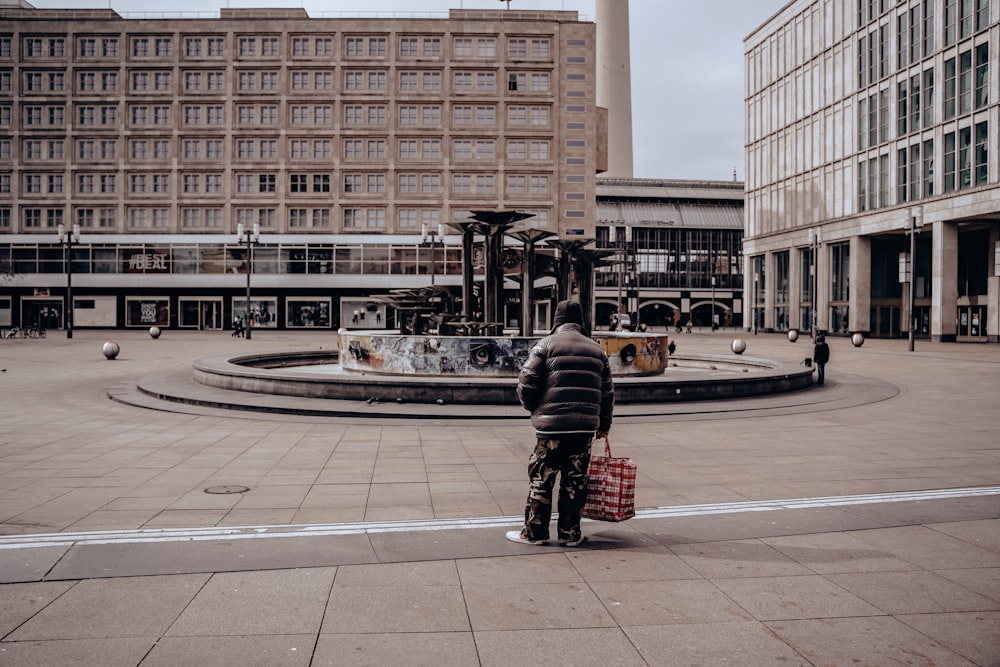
(614, 83)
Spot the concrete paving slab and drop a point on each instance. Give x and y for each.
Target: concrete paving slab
(265, 650)
(973, 635)
(746, 643)
(18, 565)
(106, 652)
(126, 560)
(879, 640)
(121, 608)
(630, 564)
(535, 606)
(425, 649)
(832, 553)
(399, 609)
(19, 602)
(595, 646)
(794, 597)
(742, 558)
(928, 548)
(275, 602)
(914, 592)
(540, 568)
(667, 602)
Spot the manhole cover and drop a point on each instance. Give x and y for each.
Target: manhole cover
(229, 488)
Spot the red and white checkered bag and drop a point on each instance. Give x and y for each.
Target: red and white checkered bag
(611, 491)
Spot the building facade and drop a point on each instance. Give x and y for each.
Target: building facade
(342, 141)
(682, 244)
(873, 135)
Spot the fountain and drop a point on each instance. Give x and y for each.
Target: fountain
(442, 354)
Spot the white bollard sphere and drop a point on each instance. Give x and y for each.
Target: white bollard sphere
(111, 349)
(858, 339)
(154, 332)
(739, 345)
(793, 335)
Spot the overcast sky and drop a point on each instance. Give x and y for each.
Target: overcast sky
(687, 68)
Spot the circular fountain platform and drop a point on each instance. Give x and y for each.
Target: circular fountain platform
(318, 375)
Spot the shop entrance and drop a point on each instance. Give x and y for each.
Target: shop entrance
(205, 314)
(46, 313)
(885, 322)
(972, 323)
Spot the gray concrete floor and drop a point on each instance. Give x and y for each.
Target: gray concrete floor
(375, 541)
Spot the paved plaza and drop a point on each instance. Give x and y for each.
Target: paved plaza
(856, 523)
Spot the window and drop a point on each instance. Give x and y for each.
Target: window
(432, 47)
(982, 92)
(517, 47)
(486, 115)
(409, 47)
(540, 48)
(965, 82)
(431, 149)
(486, 47)
(463, 47)
(269, 47)
(461, 115)
(216, 47)
(247, 46)
(539, 150)
(540, 116)
(950, 79)
(407, 149)
(408, 115)
(462, 81)
(517, 149)
(375, 149)
(377, 47)
(981, 154)
(430, 114)
(431, 80)
(298, 183)
(539, 82)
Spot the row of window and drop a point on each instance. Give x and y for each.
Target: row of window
(106, 150)
(269, 81)
(964, 163)
(965, 89)
(266, 183)
(356, 218)
(270, 46)
(140, 115)
(914, 33)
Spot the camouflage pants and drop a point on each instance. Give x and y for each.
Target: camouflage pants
(570, 458)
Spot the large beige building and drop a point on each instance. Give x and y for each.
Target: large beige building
(865, 119)
(342, 139)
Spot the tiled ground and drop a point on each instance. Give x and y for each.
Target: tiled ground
(881, 583)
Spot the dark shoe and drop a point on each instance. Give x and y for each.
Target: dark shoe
(518, 536)
(572, 543)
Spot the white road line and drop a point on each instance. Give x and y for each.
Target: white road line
(147, 536)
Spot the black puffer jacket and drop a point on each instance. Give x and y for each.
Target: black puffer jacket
(566, 384)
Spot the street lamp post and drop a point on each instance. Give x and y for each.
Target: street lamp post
(712, 318)
(436, 237)
(68, 239)
(916, 222)
(753, 310)
(250, 235)
(814, 244)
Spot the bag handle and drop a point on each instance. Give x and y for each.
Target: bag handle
(607, 447)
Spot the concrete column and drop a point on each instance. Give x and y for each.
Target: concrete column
(614, 83)
(822, 295)
(993, 290)
(859, 317)
(944, 281)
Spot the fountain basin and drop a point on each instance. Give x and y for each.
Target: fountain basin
(629, 354)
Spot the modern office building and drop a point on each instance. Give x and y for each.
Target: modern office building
(317, 158)
(873, 137)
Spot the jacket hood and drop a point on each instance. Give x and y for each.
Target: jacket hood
(567, 312)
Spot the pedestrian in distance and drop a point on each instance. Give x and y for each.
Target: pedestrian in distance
(566, 385)
(821, 355)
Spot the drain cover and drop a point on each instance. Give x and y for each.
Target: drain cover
(229, 488)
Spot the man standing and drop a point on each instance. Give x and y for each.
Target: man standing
(821, 355)
(566, 384)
